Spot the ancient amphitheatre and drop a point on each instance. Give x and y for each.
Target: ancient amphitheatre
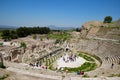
(97, 45)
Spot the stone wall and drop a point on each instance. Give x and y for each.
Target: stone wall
(98, 47)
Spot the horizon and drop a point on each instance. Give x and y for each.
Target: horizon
(61, 13)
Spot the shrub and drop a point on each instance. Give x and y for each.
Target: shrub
(107, 19)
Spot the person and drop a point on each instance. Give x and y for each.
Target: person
(78, 73)
(37, 63)
(112, 65)
(63, 59)
(43, 66)
(66, 71)
(46, 68)
(82, 72)
(119, 63)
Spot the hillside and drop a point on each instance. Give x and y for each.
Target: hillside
(97, 29)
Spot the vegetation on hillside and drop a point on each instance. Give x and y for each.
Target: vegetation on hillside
(23, 32)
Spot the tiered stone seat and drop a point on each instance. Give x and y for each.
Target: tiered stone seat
(107, 58)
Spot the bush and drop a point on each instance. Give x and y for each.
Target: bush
(107, 19)
(23, 44)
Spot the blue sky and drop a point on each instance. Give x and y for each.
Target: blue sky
(65, 13)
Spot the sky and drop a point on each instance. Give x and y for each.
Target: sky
(63, 13)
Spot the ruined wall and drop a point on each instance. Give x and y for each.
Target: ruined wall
(99, 47)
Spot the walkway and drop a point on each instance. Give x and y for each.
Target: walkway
(33, 74)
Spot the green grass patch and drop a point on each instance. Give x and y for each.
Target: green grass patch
(87, 66)
(86, 76)
(118, 75)
(86, 57)
(60, 35)
(113, 75)
(95, 76)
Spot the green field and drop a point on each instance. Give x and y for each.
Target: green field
(60, 35)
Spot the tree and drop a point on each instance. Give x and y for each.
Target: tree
(22, 32)
(13, 34)
(77, 29)
(6, 35)
(107, 19)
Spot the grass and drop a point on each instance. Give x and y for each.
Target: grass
(96, 57)
(118, 75)
(86, 76)
(95, 76)
(113, 75)
(60, 35)
(46, 63)
(1, 44)
(51, 67)
(86, 57)
(103, 73)
(87, 66)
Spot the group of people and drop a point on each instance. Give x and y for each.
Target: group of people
(70, 58)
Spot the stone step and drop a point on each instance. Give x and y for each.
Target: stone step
(110, 59)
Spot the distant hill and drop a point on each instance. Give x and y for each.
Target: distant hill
(2, 27)
(53, 27)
